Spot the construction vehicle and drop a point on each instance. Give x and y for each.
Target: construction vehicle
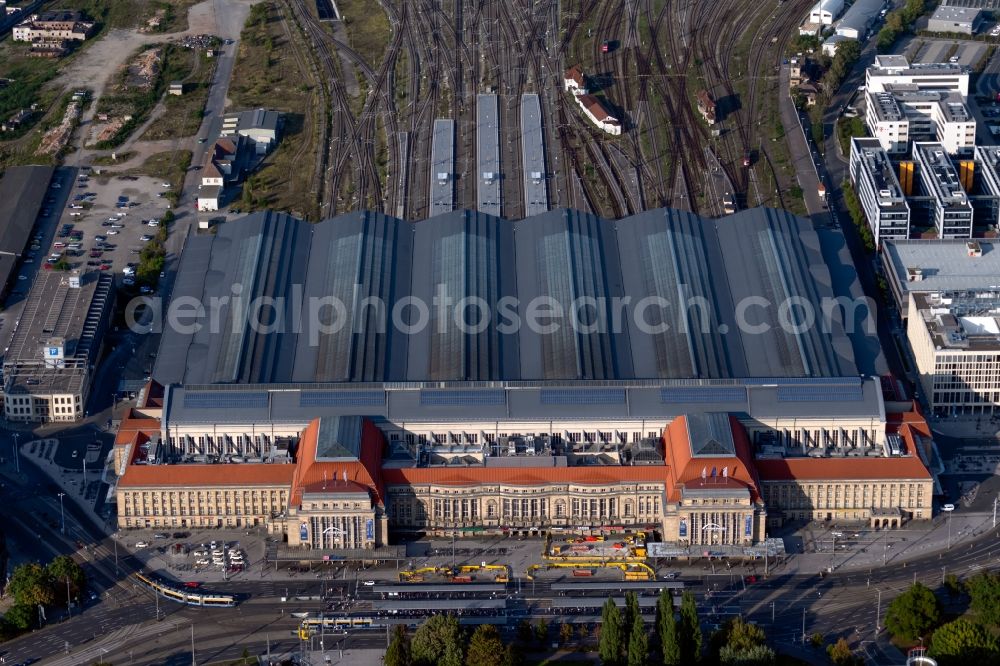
(419, 575)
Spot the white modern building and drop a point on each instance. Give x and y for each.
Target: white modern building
(825, 12)
(955, 339)
(896, 69)
(987, 165)
(261, 126)
(952, 213)
(878, 190)
(904, 113)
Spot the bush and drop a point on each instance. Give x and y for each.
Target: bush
(858, 216)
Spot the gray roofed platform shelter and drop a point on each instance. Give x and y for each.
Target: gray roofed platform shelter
(22, 192)
(653, 296)
(442, 173)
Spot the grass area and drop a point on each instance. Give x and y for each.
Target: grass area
(267, 74)
(367, 29)
(174, 16)
(184, 112)
(27, 76)
(106, 160)
(137, 102)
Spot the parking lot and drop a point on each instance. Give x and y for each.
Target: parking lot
(106, 221)
(946, 50)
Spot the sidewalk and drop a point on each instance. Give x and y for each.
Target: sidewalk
(799, 148)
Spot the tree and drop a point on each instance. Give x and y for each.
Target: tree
(437, 641)
(964, 642)
(913, 613)
(64, 568)
(985, 592)
(541, 630)
(524, 631)
(398, 652)
(631, 610)
(610, 644)
(31, 585)
(840, 653)
(739, 642)
(485, 647)
(953, 585)
(670, 643)
(21, 616)
(565, 633)
(512, 656)
(638, 643)
(690, 630)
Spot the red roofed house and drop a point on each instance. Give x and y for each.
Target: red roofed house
(595, 110)
(574, 81)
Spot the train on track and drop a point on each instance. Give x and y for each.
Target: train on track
(186, 596)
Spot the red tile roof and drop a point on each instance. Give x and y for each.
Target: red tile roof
(596, 109)
(575, 74)
(363, 475)
(173, 476)
(688, 470)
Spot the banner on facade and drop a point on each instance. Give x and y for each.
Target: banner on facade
(748, 526)
(303, 531)
(370, 530)
(683, 530)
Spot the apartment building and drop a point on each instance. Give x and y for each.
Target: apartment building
(904, 113)
(878, 190)
(952, 212)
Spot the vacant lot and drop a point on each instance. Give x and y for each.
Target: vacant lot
(273, 70)
(368, 28)
(184, 112)
(136, 89)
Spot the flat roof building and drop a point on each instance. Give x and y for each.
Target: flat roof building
(262, 126)
(955, 339)
(988, 163)
(878, 190)
(896, 69)
(47, 368)
(949, 265)
(903, 112)
(961, 20)
(952, 213)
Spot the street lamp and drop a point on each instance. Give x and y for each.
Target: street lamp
(62, 514)
(17, 454)
(878, 613)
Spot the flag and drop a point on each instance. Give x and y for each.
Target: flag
(714, 472)
(704, 473)
(725, 472)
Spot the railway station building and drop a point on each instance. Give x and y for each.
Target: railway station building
(363, 431)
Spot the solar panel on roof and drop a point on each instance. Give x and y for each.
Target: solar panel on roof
(820, 394)
(226, 400)
(341, 398)
(681, 394)
(583, 396)
(462, 398)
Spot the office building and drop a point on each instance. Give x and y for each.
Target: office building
(937, 266)
(951, 210)
(896, 69)
(955, 339)
(47, 368)
(878, 190)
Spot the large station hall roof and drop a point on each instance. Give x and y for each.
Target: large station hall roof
(702, 271)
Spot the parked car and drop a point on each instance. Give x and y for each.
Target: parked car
(141, 544)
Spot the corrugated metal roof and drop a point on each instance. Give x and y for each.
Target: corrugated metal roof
(691, 272)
